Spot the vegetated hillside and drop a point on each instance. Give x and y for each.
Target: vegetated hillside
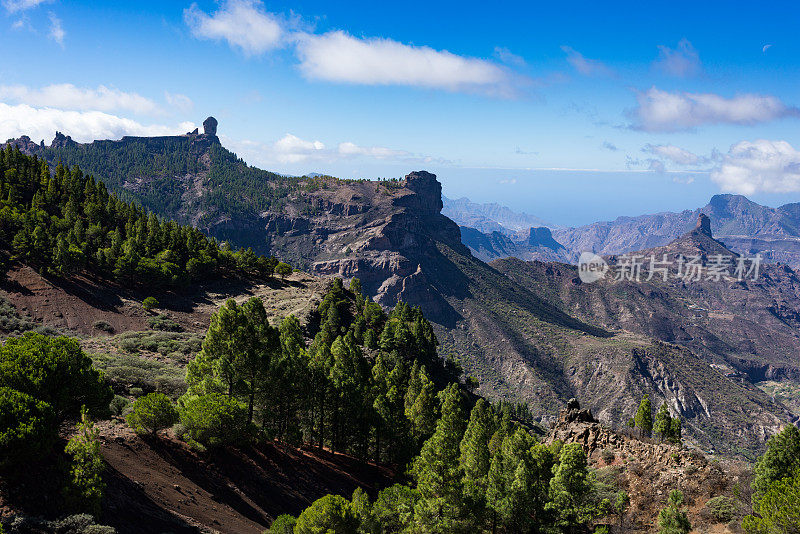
(161, 485)
(717, 493)
(745, 226)
(190, 179)
(392, 235)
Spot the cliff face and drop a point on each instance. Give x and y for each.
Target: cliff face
(384, 233)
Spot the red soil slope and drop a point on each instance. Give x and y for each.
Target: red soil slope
(160, 485)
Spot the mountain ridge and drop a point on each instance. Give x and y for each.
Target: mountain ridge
(509, 332)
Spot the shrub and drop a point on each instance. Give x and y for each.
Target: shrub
(721, 508)
(118, 405)
(10, 319)
(56, 371)
(330, 513)
(73, 524)
(84, 490)
(27, 427)
(283, 269)
(164, 323)
(283, 524)
(608, 456)
(152, 413)
(103, 326)
(81, 524)
(125, 371)
(673, 519)
(149, 303)
(136, 392)
(162, 342)
(214, 419)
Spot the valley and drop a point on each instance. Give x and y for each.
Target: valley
(720, 355)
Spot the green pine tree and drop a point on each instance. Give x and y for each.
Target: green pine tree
(644, 417)
(436, 470)
(572, 490)
(672, 519)
(663, 423)
(475, 459)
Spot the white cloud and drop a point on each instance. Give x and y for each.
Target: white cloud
(68, 96)
(674, 154)
(57, 32)
(507, 56)
(584, 65)
(682, 62)
(15, 6)
(245, 24)
(759, 166)
(661, 111)
(339, 57)
(292, 149)
(83, 126)
(21, 24)
(379, 152)
(179, 101)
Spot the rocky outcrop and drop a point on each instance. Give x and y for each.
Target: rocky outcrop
(648, 471)
(385, 234)
(25, 145)
(210, 126)
(61, 140)
(703, 225)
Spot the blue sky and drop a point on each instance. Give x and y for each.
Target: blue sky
(572, 114)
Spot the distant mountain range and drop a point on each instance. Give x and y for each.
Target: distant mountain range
(489, 217)
(743, 225)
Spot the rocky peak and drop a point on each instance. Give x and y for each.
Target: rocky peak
(542, 237)
(210, 126)
(25, 145)
(428, 192)
(61, 141)
(703, 225)
(573, 413)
